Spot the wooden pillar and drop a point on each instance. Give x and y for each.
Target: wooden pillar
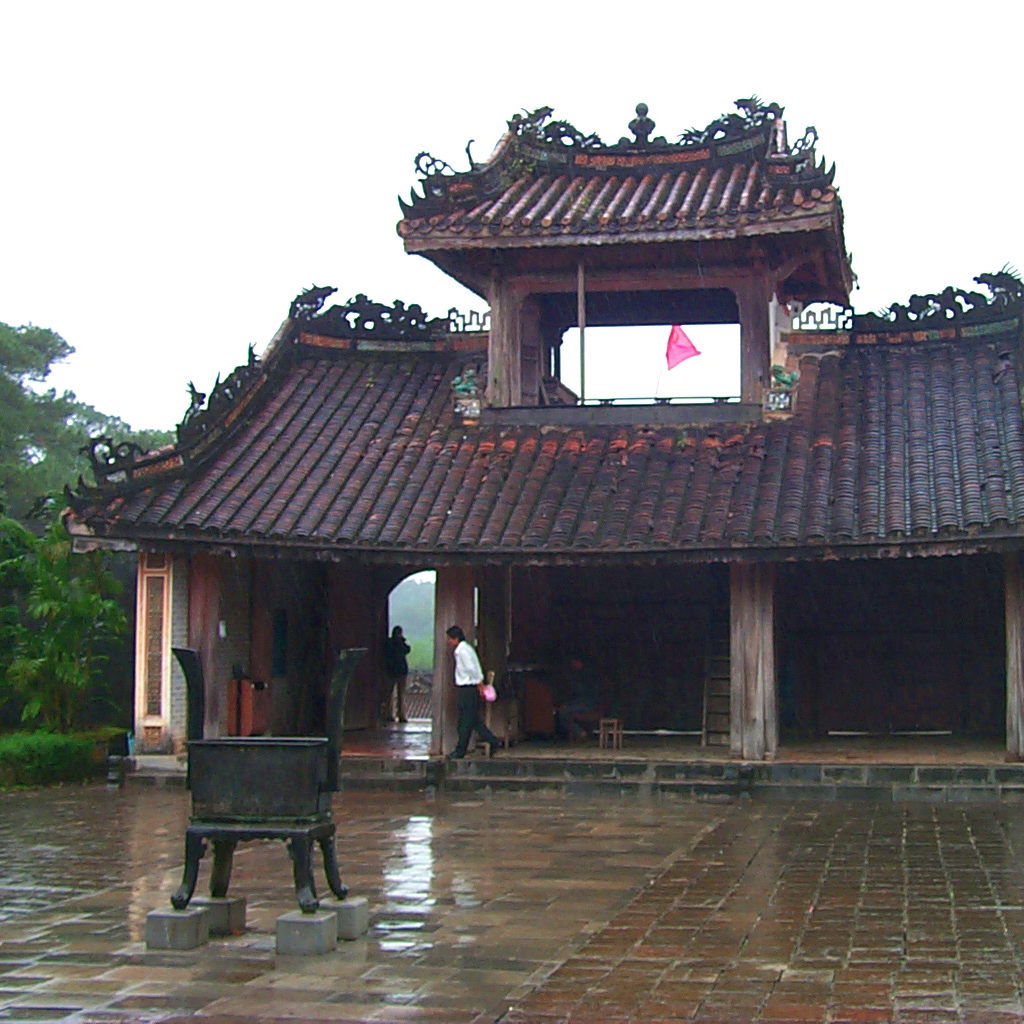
(754, 721)
(532, 353)
(754, 300)
(453, 606)
(203, 636)
(504, 355)
(1014, 590)
(581, 321)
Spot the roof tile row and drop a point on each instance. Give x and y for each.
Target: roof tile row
(585, 203)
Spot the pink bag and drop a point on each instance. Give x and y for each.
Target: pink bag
(488, 692)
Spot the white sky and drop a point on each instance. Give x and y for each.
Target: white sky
(173, 174)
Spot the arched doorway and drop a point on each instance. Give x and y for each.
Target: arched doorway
(411, 608)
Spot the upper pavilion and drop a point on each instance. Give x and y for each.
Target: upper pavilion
(557, 229)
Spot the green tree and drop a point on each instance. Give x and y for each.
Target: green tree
(42, 432)
(17, 547)
(59, 617)
(59, 626)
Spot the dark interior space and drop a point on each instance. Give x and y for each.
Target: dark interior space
(891, 646)
(640, 631)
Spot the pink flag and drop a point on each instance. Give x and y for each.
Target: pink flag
(679, 347)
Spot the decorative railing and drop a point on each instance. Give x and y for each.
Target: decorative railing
(823, 316)
(470, 321)
(673, 400)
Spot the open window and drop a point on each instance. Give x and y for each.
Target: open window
(606, 346)
(627, 365)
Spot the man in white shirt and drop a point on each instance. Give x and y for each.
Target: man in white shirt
(468, 676)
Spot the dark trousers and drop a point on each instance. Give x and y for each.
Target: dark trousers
(469, 719)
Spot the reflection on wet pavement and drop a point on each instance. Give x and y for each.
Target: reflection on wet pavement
(532, 912)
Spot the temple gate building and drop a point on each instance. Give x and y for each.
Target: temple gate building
(836, 547)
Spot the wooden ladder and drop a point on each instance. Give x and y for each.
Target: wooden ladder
(717, 673)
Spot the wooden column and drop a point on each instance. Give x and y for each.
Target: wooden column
(453, 606)
(204, 580)
(754, 721)
(581, 321)
(1014, 589)
(532, 352)
(754, 299)
(504, 355)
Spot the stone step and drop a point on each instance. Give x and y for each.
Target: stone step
(718, 780)
(595, 786)
(393, 773)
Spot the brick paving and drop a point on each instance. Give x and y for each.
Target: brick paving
(533, 911)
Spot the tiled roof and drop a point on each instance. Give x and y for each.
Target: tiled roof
(673, 202)
(558, 186)
(355, 451)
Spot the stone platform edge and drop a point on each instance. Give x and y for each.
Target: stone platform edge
(688, 779)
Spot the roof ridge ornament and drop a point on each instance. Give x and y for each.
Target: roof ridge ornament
(753, 114)
(202, 414)
(427, 165)
(951, 305)
(536, 126)
(641, 126)
(307, 304)
(111, 460)
(361, 317)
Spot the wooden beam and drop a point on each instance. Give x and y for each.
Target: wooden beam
(642, 278)
(754, 723)
(1013, 578)
(453, 606)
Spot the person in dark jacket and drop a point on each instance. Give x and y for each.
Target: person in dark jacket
(396, 668)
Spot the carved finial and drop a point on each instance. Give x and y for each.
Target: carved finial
(641, 126)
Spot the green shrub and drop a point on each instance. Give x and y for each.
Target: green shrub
(43, 758)
(66, 616)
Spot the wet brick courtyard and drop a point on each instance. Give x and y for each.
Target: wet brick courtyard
(520, 909)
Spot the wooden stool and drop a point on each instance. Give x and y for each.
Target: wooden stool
(609, 733)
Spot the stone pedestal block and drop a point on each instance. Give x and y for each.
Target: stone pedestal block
(300, 934)
(177, 929)
(353, 916)
(226, 914)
